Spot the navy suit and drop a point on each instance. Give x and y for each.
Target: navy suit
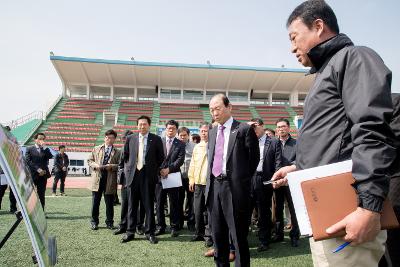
(174, 160)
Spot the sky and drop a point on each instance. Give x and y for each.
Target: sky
(226, 32)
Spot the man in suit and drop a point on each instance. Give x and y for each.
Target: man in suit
(261, 195)
(175, 155)
(104, 161)
(282, 193)
(186, 209)
(143, 155)
(61, 163)
(37, 157)
(124, 196)
(233, 157)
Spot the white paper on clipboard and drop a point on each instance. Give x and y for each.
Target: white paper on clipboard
(296, 178)
(173, 180)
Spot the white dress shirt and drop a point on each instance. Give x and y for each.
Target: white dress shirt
(227, 132)
(145, 138)
(261, 143)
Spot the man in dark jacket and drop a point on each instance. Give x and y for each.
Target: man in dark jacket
(346, 116)
(393, 240)
(61, 163)
(37, 158)
(261, 195)
(174, 150)
(282, 193)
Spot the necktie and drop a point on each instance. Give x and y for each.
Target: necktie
(140, 153)
(106, 156)
(168, 145)
(219, 153)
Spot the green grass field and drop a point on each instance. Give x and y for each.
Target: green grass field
(79, 246)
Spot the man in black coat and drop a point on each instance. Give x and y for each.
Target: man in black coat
(61, 163)
(261, 195)
(282, 193)
(233, 156)
(175, 156)
(143, 155)
(37, 157)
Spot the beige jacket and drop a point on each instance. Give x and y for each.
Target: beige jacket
(198, 165)
(95, 160)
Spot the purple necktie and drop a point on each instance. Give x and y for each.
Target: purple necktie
(219, 153)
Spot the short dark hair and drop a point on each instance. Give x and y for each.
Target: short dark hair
(37, 135)
(144, 117)
(258, 121)
(184, 129)
(284, 120)
(111, 132)
(224, 98)
(196, 138)
(172, 122)
(60, 147)
(126, 133)
(311, 10)
(269, 129)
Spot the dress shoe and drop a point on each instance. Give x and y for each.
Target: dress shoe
(152, 239)
(232, 256)
(294, 242)
(277, 238)
(209, 243)
(94, 226)
(110, 227)
(13, 211)
(174, 233)
(119, 231)
(262, 247)
(159, 232)
(139, 231)
(127, 237)
(197, 238)
(209, 253)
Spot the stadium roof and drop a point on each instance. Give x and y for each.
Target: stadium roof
(139, 74)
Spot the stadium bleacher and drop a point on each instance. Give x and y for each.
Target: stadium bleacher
(78, 123)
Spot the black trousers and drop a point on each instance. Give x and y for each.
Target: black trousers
(124, 211)
(109, 201)
(188, 208)
(40, 185)
(200, 211)
(280, 195)
(59, 176)
(226, 223)
(141, 190)
(174, 214)
(124, 208)
(11, 197)
(261, 200)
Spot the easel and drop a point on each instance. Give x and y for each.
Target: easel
(18, 214)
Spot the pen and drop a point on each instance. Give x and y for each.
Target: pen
(342, 246)
(268, 182)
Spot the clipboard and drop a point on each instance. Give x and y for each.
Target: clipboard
(329, 199)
